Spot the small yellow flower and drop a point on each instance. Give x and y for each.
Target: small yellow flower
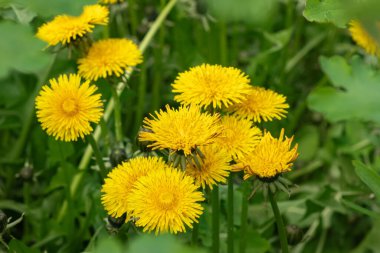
(109, 57)
(95, 14)
(165, 201)
(261, 104)
(110, 1)
(65, 29)
(213, 85)
(180, 130)
(363, 38)
(121, 180)
(214, 169)
(238, 136)
(270, 158)
(67, 107)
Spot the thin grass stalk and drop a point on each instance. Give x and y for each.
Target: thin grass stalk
(98, 156)
(230, 214)
(279, 222)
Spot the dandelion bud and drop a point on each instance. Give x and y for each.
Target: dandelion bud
(117, 222)
(117, 156)
(26, 173)
(294, 234)
(3, 221)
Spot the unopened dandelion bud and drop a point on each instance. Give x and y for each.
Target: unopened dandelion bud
(117, 156)
(117, 222)
(3, 221)
(294, 234)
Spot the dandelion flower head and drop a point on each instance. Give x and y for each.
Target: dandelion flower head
(121, 180)
(67, 107)
(109, 57)
(363, 38)
(183, 129)
(215, 167)
(261, 104)
(271, 157)
(238, 136)
(211, 85)
(65, 29)
(165, 201)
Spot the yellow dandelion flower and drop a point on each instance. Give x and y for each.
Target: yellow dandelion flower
(215, 167)
(183, 129)
(95, 14)
(214, 85)
(109, 57)
(67, 107)
(165, 201)
(261, 104)
(271, 157)
(121, 180)
(238, 136)
(363, 38)
(65, 29)
(110, 1)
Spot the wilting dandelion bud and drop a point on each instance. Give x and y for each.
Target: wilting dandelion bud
(294, 234)
(26, 173)
(117, 156)
(117, 222)
(3, 221)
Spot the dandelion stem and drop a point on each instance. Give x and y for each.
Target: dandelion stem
(280, 223)
(230, 214)
(215, 219)
(109, 108)
(244, 215)
(117, 114)
(99, 160)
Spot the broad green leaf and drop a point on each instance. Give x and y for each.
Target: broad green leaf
(308, 141)
(355, 94)
(16, 246)
(56, 7)
(20, 50)
(326, 11)
(370, 177)
(109, 244)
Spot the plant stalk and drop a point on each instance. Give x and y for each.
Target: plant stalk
(215, 219)
(117, 114)
(244, 216)
(280, 223)
(230, 214)
(98, 156)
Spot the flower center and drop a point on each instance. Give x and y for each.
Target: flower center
(166, 199)
(69, 106)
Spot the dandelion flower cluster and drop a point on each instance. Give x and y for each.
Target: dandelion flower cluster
(183, 129)
(109, 57)
(67, 107)
(166, 201)
(215, 167)
(261, 104)
(238, 136)
(363, 38)
(65, 29)
(213, 85)
(271, 157)
(121, 180)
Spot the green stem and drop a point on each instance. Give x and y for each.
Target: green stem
(230, 214)
(141, 98)
(99, 160)
(117, 114)
(280, 223)
(215, 219)
(244, 215)
(194, 235)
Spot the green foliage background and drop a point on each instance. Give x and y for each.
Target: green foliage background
(301, 49)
